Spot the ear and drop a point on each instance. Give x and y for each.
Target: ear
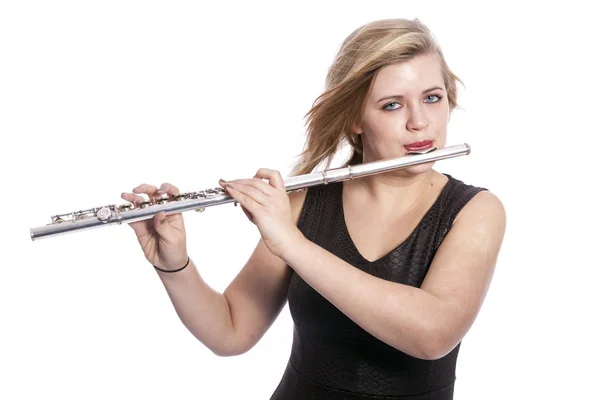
(356, 128)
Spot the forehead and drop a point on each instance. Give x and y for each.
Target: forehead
(414, 75)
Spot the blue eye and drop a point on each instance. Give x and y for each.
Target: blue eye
(435, 100)
(387, 107)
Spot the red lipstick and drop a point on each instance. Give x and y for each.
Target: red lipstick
(416, 146)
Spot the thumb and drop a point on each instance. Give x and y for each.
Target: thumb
(160, 222)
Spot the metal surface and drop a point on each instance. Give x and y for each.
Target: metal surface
(127, 213)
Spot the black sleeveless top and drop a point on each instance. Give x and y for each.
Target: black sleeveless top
(332, 357)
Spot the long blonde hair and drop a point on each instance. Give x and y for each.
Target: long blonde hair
(362, 54)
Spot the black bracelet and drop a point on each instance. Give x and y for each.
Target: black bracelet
(174, 270)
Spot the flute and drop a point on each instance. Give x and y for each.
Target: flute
(127, 213)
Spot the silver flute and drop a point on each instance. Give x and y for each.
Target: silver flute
(127, 213)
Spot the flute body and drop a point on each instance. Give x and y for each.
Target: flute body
(127, 213)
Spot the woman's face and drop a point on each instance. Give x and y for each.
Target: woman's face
(407, 104)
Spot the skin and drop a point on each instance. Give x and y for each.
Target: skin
(380, 211)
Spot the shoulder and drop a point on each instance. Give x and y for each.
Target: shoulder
(474, 201)
(472, 209)
(484, 210)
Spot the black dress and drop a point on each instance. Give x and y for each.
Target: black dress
(332, 357)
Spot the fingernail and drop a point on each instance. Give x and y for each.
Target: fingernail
(222, 180)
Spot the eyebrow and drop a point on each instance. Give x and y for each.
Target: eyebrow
(399, 96)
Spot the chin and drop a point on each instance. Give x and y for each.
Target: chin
(419, 169)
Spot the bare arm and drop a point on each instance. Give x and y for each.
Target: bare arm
(233, 322)
(426, 322)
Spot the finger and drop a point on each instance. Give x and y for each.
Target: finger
(225, 185)
(257, 184)
(252, 192)
(132, 198)
(168, 188)
(147, 189)
(160, 222)
(140, 228)
(153, 192)
(274, 177)
(240, 193)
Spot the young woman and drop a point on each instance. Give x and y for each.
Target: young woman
(384, 274)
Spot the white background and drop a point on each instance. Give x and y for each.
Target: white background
(98, 97)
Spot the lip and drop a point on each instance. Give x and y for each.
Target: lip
(425, 144)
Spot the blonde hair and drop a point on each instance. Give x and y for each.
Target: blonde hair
(349, 79)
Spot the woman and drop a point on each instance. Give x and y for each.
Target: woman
(384, 274)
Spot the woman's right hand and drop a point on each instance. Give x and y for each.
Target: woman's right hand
(161, 237)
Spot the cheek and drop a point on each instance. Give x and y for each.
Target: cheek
(442, 122)
(384, 124)
(439, 119)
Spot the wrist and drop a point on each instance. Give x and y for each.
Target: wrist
(295, 244)
(180, 267)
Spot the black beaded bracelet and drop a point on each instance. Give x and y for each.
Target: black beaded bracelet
(174, 270)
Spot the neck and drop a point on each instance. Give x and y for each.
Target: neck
(394, 190)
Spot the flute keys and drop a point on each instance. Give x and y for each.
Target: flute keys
(104, 214)
(125, 207)
(162, 199)
(145, 204)
(56, 219)
(213, 192)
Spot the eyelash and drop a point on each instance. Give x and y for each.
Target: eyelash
(439, 96)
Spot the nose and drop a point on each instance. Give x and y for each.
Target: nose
(417, 119)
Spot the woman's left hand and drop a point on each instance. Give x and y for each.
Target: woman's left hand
(266, 205)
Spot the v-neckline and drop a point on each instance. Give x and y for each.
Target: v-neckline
(353, 246)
